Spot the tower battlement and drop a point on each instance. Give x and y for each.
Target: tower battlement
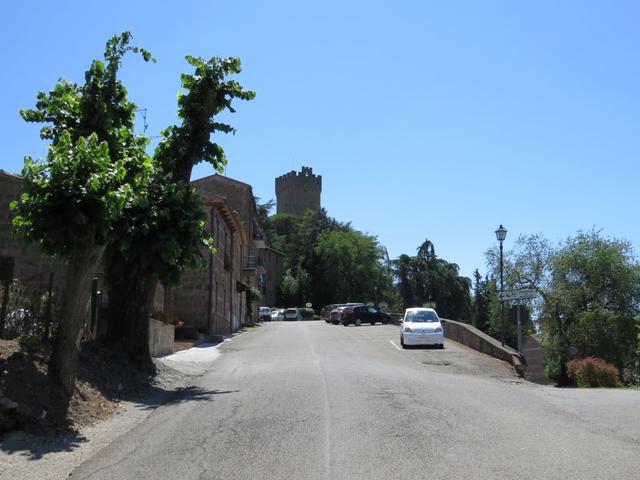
(298, 191)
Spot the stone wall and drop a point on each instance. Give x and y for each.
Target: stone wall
(473, 338)
(32, 267)
(161, 337)
(297, 192)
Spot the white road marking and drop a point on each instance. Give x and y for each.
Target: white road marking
(397, 347)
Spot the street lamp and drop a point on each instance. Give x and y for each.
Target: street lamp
(501, 234)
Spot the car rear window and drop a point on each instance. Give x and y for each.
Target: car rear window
(421, 317)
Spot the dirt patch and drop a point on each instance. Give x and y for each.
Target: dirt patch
(105, 379)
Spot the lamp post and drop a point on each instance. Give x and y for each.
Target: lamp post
(501, 234)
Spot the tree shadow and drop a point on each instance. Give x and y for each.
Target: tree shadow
(106, 377)
(37, 446)
(160, 397)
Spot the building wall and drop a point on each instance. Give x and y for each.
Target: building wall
(239, 197)
(297, 192)
(32, 267)
(272, 260)
(219, 278)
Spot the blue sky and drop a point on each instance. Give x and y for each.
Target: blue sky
(436, 120)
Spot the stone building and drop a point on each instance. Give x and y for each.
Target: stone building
(31, 267)
(297, 192)
(212, 300)
(239, 196)
(272, 276)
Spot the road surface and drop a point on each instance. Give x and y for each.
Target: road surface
(310, 400)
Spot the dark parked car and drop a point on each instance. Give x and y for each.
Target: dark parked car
(336, 313)
(364, 314)
(325, 313)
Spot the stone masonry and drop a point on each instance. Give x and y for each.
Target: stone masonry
(297, 192)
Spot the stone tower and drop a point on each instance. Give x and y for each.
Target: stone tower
(298, 191)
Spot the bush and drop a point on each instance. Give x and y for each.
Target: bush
(593, 372)
(307, 313)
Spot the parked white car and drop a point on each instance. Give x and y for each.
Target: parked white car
(265, 314)
(292, 314)
(421, 326)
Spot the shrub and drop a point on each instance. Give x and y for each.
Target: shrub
(307, 313)
(593, 372)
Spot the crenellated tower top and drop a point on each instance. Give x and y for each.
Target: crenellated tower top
(298, 191)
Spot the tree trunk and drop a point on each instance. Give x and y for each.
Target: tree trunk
(130, 306)
(63, 365)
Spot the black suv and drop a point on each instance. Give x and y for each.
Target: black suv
(364, 314)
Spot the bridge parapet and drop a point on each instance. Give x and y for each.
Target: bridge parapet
(473, 338)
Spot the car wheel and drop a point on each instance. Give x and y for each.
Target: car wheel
(345, 324)
(373, 322)
(441, 346)
(385, 321)
(402, 342)
(358, 322)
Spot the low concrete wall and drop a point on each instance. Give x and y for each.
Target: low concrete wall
(473, 338)
(161, 336)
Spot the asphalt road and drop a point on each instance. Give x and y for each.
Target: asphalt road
(310, 400)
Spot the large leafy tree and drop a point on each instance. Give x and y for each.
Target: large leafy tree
(528, 264)
(327, 261)
(165, 234)
(352, 267)
(95, 166)
(592, 303)
(589, 294)
(425, 279)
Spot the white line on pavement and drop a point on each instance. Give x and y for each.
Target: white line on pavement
(397, 347)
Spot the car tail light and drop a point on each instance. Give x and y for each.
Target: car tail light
(407, 330)
(438, 330)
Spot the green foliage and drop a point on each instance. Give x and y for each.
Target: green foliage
(95, 165)
(79, 189)
(593, 372)
(327, 261)
(306, 313)
(99, 107)
(589, 296)
(425, 278)
(351, 265)
(164, 233)
(207, 94)
(593, 298)
(482, 295)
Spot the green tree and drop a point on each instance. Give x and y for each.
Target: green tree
(592, 303)
(589, 295)
(95, 166)
(528, 264)
(162, 236)
(425, 279)
(352, 267)
(481, 299)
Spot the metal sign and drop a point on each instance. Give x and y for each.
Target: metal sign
(524, 294)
